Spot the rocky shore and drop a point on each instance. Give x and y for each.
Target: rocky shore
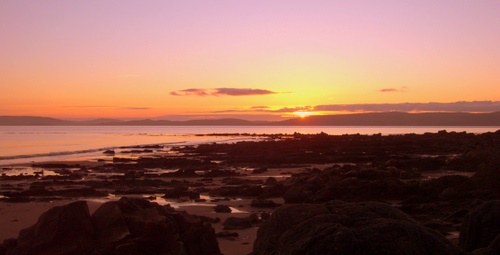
(436, 193)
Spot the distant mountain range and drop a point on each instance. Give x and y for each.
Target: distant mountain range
(361, 119)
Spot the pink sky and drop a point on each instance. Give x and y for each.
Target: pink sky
(129, 58)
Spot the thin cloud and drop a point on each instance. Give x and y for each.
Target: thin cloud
(267, 109)
(190, 92)
(389, 90)
(89, 106)
(222, 92)
(242, 92)
(138, 108)
(402, 89)
(294, 109)
(461, 106)
(108, 107)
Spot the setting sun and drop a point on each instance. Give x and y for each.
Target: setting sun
(303, 114)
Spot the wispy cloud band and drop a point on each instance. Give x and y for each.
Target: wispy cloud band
(461, 106)
(222, 92)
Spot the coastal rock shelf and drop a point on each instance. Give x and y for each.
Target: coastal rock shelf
(435, 193)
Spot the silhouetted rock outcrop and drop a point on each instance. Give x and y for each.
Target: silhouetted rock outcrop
(128, 226)
(481, 226)
(347, 228)
(59, 231)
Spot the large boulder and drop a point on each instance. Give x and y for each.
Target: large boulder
(179, 192)
(59, 231)
(129, 226)
(155, 229)
(347, 228)
(282, 220)
(264, 203)
(222, 209)
(232, 223)
(442, 185)
(481, 226)
(492, 249)
(298, 194)
(110, 223)
(487, 176)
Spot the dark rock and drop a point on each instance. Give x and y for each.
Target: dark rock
(254, 218)
(297, 195)
(221, 173)
(79, 192)
(281, 221)
(492, 249)
(447, 182)
(457, 216)
(237, 223)
(9, 243)
(222, 209)
(347, 228)
(265, 215)
(271, 181)
(373, 174)
(227, 234)
(351, 174)
(109, 152)
(134, 174)
(259, 170)
(226, 191)
(132, 226)
(277, 190)
(480, 226)
(234, 181)
(61, 230)
(17, 199)
(263, 203)
(179, 192)
(250, 191)
(110, 223)
(183, 173)
(487, 176)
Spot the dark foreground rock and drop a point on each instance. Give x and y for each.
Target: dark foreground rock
(129, 226)
(61, 230)
(481, 226)
(347, 228)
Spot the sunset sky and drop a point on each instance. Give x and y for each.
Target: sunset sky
(145, 59)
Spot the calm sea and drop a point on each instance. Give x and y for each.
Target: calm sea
(20, 144)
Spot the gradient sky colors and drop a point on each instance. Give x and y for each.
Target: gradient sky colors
(99, 58)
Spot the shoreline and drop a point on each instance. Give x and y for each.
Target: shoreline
(96, 153)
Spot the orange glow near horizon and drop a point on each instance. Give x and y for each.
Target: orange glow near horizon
(97, 59)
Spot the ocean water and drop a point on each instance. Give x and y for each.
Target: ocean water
(20, 144)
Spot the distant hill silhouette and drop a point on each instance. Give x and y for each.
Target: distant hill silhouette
(32, 121)
(362, 119)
